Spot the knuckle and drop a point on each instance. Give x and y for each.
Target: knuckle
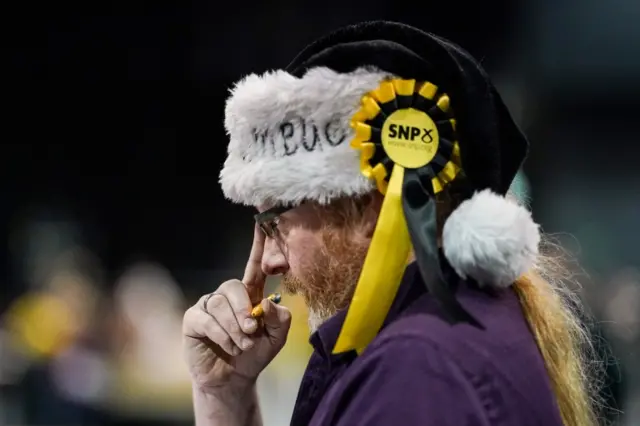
(216, 302)
(229, 285)
(187, 317)
(190, 320)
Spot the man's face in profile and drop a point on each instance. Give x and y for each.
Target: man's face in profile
(320, 250)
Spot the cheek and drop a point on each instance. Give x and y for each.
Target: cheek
(302, 244)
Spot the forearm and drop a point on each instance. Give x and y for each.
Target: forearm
(227, 408)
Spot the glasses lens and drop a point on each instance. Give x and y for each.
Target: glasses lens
(268, 220)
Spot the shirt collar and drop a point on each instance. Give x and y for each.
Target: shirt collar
(411, 287)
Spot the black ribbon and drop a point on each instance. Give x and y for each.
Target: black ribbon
(440, 279)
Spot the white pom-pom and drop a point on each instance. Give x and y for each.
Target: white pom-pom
(490, 239)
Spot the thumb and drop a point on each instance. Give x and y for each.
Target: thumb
(276, 319)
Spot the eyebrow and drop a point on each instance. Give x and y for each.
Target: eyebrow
(270, 214)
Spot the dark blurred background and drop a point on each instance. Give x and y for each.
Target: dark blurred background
(112, 220)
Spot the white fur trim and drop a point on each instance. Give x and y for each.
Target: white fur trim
(490, 239)
(271, 115)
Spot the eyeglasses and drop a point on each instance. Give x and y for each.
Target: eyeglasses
(268, 220)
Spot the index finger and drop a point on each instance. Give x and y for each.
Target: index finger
(254, 279)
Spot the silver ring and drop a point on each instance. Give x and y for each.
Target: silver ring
(206, 300)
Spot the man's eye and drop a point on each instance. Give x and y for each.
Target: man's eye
(270, 228)
(274, 226)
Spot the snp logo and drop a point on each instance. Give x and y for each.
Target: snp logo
(410, 133)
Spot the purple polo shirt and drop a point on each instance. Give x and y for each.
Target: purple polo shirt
(420, 370)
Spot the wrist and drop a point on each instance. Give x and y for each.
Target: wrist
(229, 405)
(235, 386)
(228, 394)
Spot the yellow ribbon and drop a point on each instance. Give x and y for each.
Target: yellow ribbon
(381, 273)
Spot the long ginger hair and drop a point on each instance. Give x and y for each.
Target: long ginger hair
(558, 322)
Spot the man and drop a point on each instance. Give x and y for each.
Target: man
(378, 162)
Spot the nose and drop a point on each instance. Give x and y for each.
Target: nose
(274, 261)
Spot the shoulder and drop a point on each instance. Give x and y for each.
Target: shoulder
(489, 373)
(407, 350)
(502, 339)
(493, 353)
(423, 369)
(404, 354)
(403, 379)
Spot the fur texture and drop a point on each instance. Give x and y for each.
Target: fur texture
(289, 137)
(491, 239)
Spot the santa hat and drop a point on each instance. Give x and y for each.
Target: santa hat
(387, 106)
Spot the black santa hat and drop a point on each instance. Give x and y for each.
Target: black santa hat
(387, 106)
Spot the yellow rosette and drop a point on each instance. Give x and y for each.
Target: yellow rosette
(406, 136)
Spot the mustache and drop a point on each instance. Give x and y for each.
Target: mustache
(291, 283)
